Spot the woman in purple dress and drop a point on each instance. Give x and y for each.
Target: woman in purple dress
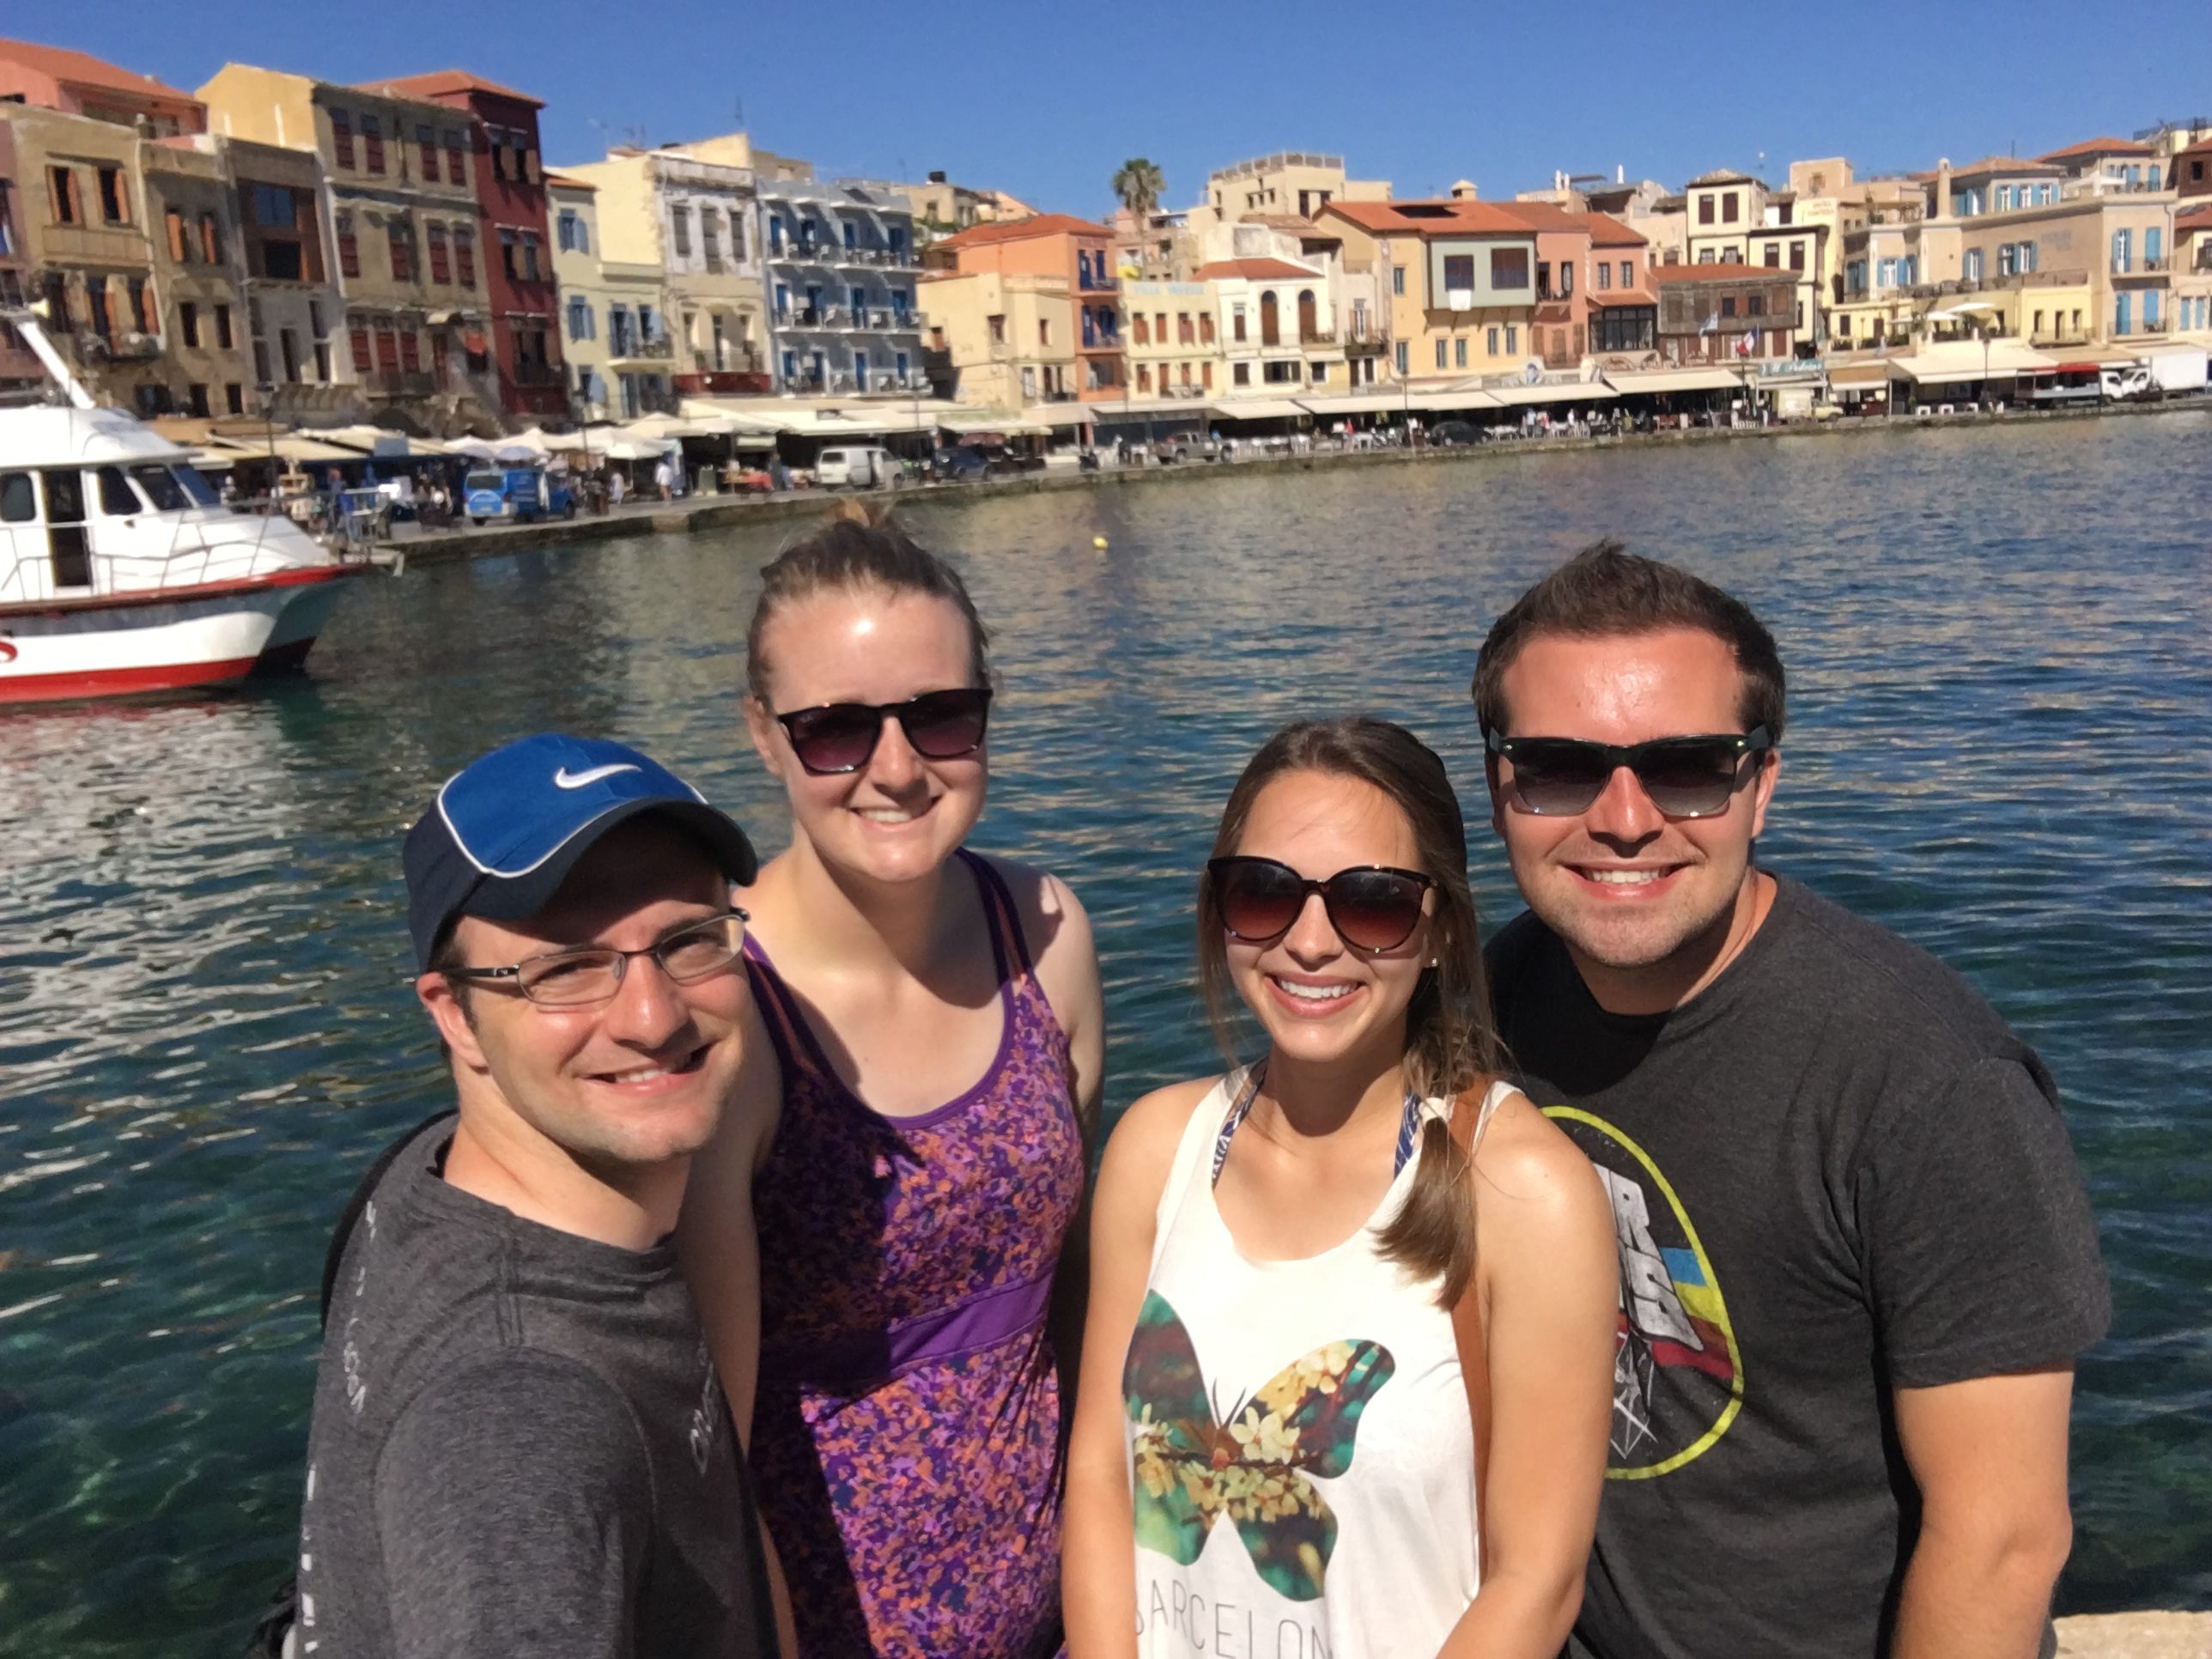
(931, 1023)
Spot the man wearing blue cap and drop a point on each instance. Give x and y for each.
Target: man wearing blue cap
(520, 1444)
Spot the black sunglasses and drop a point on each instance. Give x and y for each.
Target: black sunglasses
(1373, 908)
(1685, 777)
(840, 737)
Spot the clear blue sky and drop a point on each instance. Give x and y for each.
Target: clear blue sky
(1045, 98)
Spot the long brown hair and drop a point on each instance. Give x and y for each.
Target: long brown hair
(1450, 1043)
(858, 550)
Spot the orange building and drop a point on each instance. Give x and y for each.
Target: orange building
(1055, 244)
(77, 83)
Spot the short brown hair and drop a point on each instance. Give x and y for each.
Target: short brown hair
(1606, 591)
(856, 550)
(1450, 1043)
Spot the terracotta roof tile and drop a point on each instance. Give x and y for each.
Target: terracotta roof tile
(440, 83)
(81, 69)
(2098, 147)
(1254, 270)
(1022, 230)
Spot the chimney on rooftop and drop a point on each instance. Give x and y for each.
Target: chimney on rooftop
(937, 177)
(1464, 191)
(1620, 172)
(1943, 188)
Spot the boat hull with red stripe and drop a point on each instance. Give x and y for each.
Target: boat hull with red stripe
(127, 644)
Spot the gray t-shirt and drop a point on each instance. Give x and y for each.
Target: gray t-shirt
(1834, 1172)
(520, 1447)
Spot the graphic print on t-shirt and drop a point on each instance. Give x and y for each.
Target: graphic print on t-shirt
(1195, 1464)
(1677, 1374)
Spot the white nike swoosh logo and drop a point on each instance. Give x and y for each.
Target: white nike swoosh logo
(564, 778)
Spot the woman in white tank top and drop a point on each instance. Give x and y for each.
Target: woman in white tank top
(1275, 1450)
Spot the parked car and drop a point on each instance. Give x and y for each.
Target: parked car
(1190, 447)
(959, 465)
(866, 467)
(1454, 432)
(520, 493)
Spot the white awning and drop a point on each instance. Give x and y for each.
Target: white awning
(1545, 392)
(1674, 379)
(1359, 403)
(1432, 402)
(1952, 361)
(1256, 409)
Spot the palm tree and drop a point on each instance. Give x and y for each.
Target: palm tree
(1138, 184)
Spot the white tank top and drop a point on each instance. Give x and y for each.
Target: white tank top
(1300, 1459)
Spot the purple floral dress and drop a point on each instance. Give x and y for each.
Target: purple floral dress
(906, 1433)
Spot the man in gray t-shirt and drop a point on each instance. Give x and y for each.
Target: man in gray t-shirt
(520, 1443)
(1857, 1262)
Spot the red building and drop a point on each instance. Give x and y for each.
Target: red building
(513, 231)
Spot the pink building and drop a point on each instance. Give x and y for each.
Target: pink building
(77, 83)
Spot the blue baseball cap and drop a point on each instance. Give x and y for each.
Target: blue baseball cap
(507, 829)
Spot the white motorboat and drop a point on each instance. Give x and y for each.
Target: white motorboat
(121, 571)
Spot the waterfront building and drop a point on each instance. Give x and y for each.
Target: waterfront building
(19, 370)
(1782, 242)
(2111, 164)
(1493, 288)
(688, 211)
(1075, 250)
(77, 83)
(199, 295)
(1297, 184)
(2192, 271)
(1174, 343)
(2015, 248)
(942, 208)
(403, 231)
(302, 372)
(512, 229)
(1722, 312)
(86, 244)
(1001, 341)
(2192, 170)
(842, 268)
(1723, 207)
(587, 298)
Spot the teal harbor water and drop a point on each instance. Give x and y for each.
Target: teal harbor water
(2000, 644)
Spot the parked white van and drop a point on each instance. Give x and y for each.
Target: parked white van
(861, 469)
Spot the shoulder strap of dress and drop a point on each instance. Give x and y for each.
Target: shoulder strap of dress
(785, 1029)
(1470, 1118)
(1006, 937)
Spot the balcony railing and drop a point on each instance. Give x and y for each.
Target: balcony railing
(537, 375)
(1316, 336)
(629, 350)
(1096, 283)
(2148, 264)
(2060, 337)
(2155, 325)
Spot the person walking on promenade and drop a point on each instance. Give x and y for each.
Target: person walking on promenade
(1277, 1449)
(936, 1039)
(617, 484)
(1857, 1261)
(664, 479)
(518, 1443)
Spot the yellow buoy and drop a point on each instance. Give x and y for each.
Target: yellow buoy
(1098, 542)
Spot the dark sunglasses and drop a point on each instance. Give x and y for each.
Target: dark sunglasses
(840, 737)
(1373, 908)
(1685, 777)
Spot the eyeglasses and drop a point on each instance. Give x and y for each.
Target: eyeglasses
(1373, 908)
(574, 979)
(840, 737)
(1685, 777)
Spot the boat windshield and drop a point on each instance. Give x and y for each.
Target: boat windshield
(201, 492)
(161, 489)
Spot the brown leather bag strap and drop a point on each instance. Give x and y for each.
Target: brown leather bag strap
(1467, 1331)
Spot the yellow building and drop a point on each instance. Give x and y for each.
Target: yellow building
(189, 212)
(1174, 338)
(1287, 184)
(1007, 338)
(1459, 279)
(403, 229)
(688, 213)
(84, 216)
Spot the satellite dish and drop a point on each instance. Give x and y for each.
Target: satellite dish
(1531, 374)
